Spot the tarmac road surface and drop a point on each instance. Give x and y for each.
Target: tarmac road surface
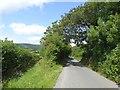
(75, 75)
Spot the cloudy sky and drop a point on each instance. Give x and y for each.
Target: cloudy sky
(24, 21)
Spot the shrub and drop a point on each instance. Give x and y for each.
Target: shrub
(111, 66)
(55, 48)
(16, 59)
(103, 48)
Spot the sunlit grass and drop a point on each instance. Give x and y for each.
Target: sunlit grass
(78, 58)
(42, 75)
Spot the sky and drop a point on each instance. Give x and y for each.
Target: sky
(26, 21)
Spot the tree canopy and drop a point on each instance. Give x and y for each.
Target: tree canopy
(97, 24)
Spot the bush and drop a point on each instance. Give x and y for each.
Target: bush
(16, 59)
(111, 66)
(103, 48)
(55, 48)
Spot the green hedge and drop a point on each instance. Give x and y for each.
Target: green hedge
(15, 59)
(111, 66)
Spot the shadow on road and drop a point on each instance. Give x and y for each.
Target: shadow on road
(73, 62)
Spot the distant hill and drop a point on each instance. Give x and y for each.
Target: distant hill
(29, 46)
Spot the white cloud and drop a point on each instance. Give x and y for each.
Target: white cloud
(14, 5)
(21, 28)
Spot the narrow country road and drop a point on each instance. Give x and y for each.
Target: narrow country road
(74, 75)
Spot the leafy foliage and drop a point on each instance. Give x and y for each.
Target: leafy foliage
(106, 34)
(16, 59)
(78, 20)
(54, 47)
(77, 52)
(97, 24)
(111, 66)
(104, 37)
(103, 47)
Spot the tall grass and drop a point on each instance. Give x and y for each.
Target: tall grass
(42, 75)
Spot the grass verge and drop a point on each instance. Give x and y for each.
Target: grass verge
(42, 75)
